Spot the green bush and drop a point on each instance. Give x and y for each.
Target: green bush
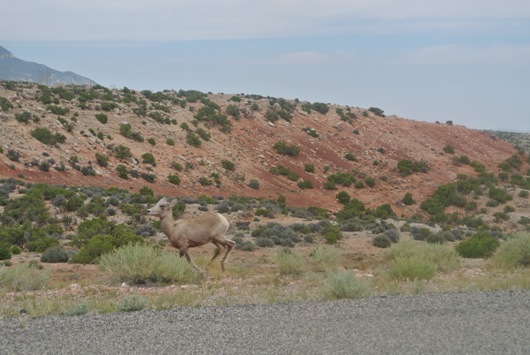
(408, 199)
(44, 136)
(193, 140)
(5, 252)
(55, 255)
(174, 179)
(305, 184)
(148, 158)
(24, 117)
(254, 184)
(5, 104)
(344, 285)
(332, 233)
(381, 241)
(343, 197)
(13, 155)
(514, 252)
(480, 245)
(102, 159)
(449, 149)
(228, 165)
(286, 149)
(407, 167)
(101, 117)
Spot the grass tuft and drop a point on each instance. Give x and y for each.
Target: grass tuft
(344, 284)
(23, 277)
(326, 258)
(515, 252)
(290, 262)
(139, 264)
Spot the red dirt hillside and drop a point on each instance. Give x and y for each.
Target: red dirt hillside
(375, 143)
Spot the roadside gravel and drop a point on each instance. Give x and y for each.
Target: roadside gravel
(455, 323)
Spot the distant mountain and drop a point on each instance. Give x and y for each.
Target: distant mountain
(14, 69)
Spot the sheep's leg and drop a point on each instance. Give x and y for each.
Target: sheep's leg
(184, 252)
(229, 244)
(217, 252)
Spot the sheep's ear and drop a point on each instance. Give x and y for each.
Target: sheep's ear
(173, 203)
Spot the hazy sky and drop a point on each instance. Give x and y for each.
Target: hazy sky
(462, 60)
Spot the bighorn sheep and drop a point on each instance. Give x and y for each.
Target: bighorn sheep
(188, 233)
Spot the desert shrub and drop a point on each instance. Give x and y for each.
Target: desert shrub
(523, 194)
(148, 158)
(138, 264)
(370, 181)
(174, 179)
(148, 177)
(408, 199)
(381, 241)
(122, 152)
(102, 159)
(499, 194)
(54, 255)
(101, 117)
(286, 149)
(436, 238)
(392, 234)
(412, 267)
(88, 171)
(58, 110)
(514, 252)
(23, 277)
(332, 233)
(407, 167)
(420, 233)
(444, 257)
(132, 303)
(344, 284)
(480, 245)
(5, 252)
(449, 149)
(290, 262)
(254, 184)
(305, 184)
(228, 165)
(325, 258)
(343, 197)
(5, 104)
(78, 309)
(44, 136)
(24, 117)
(193, 139)
(13, 155)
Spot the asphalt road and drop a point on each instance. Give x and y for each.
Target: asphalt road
(459, 323)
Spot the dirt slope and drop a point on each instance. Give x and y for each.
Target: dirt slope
(377, 143)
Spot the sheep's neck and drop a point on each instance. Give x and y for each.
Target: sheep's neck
(166, 223)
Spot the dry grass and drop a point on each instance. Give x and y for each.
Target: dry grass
(266, 276)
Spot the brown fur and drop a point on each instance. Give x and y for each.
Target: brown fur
(189, 233)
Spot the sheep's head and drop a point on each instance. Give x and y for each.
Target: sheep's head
(162, 208)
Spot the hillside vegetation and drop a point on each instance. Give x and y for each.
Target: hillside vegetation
(313, 191)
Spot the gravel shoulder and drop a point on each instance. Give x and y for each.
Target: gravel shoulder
(471, 323)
